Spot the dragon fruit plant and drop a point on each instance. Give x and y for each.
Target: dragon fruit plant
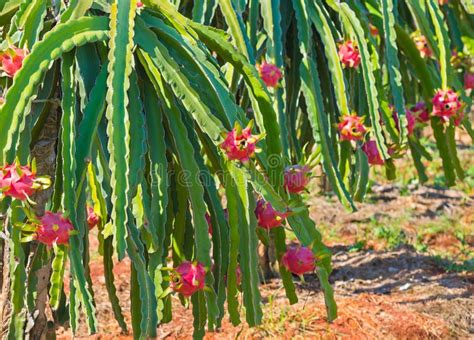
(160, 115)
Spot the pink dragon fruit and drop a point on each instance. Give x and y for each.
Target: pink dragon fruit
(2, 100)
(17, 181)
(92, 218)
(188, 278)
(446, 104)
(422, 45)
(420, 112)
(269, 73)
(268, 217)
(240, 144)
(373, 155)
(411, 120)
(351, 127)
(299, 260)
(139, 4)
(469, 81)
(349, 54)
(54, 228)
(296, 178)
(12, 60)
(443, 2)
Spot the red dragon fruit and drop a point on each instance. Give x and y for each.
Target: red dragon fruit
(269, 73)
(12, 60)
(299, 260)
(422, 45)
(420, 112)
(139, 4)
(17, 181)
(188, 278)
(240, 144)
(373, 155)
(446, 104)
(469, 81)
(296, 178)
(92, 218)
(411, 120)
(268, 217)
(351, 127)
(349, 54)
(54, 228)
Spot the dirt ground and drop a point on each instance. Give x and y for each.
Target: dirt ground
(385, 289)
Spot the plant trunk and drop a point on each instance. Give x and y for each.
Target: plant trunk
(44, 152)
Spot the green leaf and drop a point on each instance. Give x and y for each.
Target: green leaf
(352, 22)
(120, 57)
(17, 272)
(312, 92)
(248, 245)
(57, 275)
(235, 22)
(69, 189)
(18, 99)
(393, 65)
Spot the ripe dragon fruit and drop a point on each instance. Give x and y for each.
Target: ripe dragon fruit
(420, 112)
(411, 120)
(188, 278)
(446, 104)
(422, 45)
(17, 181)
(11, 60)
(373, 155)
(139, 4)
(351, 127)
(349, 54)
(240, 144)
(269, 73)
(268, 217)
(54, 228)
(299, 260)
(469, 81)
(443, 2)
(92, 218)
(296, 178)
